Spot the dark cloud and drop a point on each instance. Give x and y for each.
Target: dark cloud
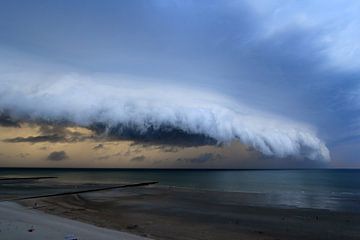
(163, 135)
(57, 156)
(7, 121)
(110, 156)
(50, 129)
(138, 159)
(62, 131)
(165, 138)
(36, 139)
(202, 158)
(51, 133)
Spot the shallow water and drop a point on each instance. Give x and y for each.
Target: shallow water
(334, 189)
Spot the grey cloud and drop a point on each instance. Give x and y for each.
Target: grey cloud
(163, 135)
(36, 139)
(7, 121)
(105, 157)
(56, 128)
(50, 133)
(57, 156)
(138, 159)
(202, 158)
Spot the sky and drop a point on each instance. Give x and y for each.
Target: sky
(180, 84)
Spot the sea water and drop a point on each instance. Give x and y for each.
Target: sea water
(334, 189)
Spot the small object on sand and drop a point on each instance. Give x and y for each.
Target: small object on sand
(31, 229)
(71, 237)
(133, 226)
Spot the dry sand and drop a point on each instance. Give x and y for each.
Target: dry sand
(19, 223)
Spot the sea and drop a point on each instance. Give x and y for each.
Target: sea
(332, 189)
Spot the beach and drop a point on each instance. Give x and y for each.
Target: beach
(161, 211)
(175, 213)
(18, 222)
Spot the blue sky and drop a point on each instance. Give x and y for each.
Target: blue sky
(297, 60)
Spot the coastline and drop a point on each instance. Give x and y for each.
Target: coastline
(175, 213)
(18, 222)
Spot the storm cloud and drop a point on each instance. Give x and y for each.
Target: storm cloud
(156, 112)
(279, 76)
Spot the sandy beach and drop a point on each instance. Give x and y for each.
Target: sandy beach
(179, 214)
(162, 212)
(18, 222)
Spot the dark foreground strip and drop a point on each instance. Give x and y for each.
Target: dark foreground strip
(85, 191)
(24, 178)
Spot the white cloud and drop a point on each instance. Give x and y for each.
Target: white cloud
(117, 100)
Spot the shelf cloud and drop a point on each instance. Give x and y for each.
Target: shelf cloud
(171, 115)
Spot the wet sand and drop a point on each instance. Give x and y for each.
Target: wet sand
(184, 214)
(18, 223)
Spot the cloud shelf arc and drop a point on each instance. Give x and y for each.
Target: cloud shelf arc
(83, 101)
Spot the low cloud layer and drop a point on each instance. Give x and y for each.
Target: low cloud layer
(36, 139)
(52, 133)
(155, 112)
(202, 158)
(57, 156)
(138, 158)
(6, 121)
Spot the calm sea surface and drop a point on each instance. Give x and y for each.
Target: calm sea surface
(328, 189)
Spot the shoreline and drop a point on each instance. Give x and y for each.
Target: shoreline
(18, 222)
(179, 214)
